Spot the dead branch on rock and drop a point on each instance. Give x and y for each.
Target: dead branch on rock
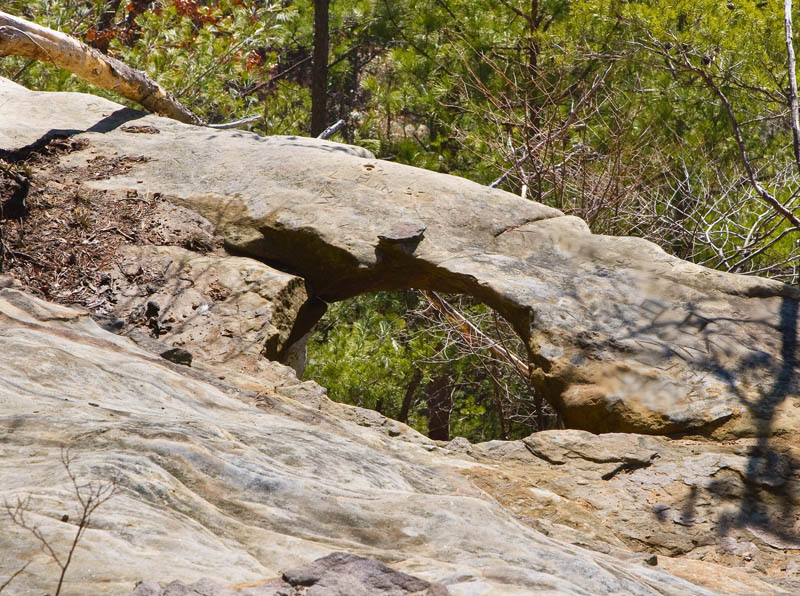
(19, 37)
(89, 495)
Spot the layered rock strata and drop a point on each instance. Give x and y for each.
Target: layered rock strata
(219, 477)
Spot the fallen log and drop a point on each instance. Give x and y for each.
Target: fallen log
(19, 37)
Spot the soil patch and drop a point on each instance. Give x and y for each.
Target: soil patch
(59, 238)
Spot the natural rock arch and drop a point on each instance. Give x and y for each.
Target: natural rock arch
(624, 336)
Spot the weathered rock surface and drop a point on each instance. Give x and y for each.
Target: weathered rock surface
(218, 479)
(232, 469)
(230, 310)
(338, 574)
(625, 337)
(733, 503)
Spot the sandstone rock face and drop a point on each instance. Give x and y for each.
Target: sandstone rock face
(218, 479)
(731, 504)
(229, 310)
(233, 477)
(624, 337)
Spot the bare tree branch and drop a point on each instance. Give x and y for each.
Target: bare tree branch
(14, 575)
(686, 65)
(90, 496)
(474, 335)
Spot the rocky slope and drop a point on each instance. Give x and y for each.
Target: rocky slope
(227, 467)
(222, 476)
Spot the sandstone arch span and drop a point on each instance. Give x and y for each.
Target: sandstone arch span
(624, 336)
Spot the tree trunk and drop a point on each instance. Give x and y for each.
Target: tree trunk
(533, 105)
(440, 402)
(408, 400)
(498, 401)
(533, 44)
(319, 74)
(787, 22)
(539, 406)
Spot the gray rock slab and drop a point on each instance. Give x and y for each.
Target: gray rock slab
(338, 574)
(217, 480)
(345, 574)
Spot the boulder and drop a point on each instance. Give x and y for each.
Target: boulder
(221, 309)
(338, 574)
(623, 336)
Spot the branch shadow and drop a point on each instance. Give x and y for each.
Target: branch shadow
(106, 124)
(765, 499)
(766, 467)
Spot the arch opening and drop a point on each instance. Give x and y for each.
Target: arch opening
(447, 365)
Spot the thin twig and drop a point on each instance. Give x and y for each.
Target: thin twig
(90, 496)
(235, 123)
(13, 576)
